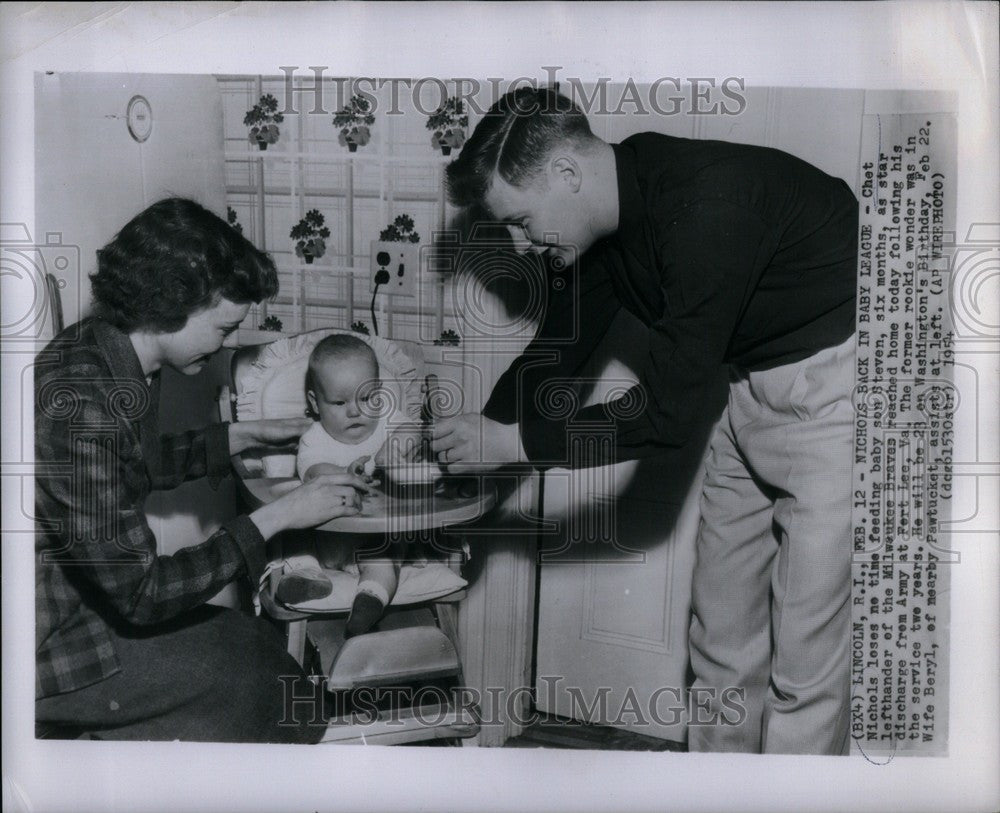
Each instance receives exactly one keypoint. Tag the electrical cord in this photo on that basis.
(381, 278)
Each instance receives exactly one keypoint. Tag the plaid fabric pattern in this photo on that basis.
(98, 454)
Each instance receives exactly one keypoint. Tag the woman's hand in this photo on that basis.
(323, 498)
(471, 443)
(271, 432)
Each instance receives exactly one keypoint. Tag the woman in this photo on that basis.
(126, 647)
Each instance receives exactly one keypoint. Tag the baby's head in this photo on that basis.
(340, 381)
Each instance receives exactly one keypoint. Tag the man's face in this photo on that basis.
(342, 399)
(189, 349)
(546, 216)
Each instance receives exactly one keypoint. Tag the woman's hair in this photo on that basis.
(514, 140)
(172, 260)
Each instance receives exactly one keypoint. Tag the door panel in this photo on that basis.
(614, 589)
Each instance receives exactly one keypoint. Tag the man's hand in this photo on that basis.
(271, 432)
(472, 443)
(404, 445)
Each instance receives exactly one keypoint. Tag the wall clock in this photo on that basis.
(140, 118)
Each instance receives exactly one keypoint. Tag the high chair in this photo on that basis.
(416, 642)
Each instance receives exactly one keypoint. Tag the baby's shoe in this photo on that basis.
(297, 586)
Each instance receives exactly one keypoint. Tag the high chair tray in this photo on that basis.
(382, 513)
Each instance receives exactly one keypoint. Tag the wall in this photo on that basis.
(359, 194)
(91, 178)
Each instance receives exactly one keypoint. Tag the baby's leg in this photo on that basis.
(376, 586)
(333, 550)
(379, 577)
(299, 552)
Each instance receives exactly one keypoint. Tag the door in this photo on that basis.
(615, 572)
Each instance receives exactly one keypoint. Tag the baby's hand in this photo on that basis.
(358, 466)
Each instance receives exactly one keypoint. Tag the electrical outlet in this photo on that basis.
(401, 262)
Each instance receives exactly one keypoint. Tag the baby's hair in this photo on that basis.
(339, 347)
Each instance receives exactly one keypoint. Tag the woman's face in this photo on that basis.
(189, 349)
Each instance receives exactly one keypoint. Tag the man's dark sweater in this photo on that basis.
(728, 253)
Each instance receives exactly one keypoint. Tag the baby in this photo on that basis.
(342, 377)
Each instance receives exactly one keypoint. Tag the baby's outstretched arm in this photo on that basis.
(317, 469)
(356, 467)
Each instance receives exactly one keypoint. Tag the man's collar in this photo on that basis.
(631, 204)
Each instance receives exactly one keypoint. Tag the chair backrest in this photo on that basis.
(55, 303)
(268, 381)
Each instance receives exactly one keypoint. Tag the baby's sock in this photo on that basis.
(369, 605)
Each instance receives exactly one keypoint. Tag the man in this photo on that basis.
(729, 254)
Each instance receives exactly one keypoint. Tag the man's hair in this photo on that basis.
(174, 259)
(514, 140)
(339, 347)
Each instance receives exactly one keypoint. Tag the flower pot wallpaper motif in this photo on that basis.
(399, 231)
(310, 235)
(233, 219)
(395, 258)
(263, 120)
(354, 120)
(448, 125)
(449, 338)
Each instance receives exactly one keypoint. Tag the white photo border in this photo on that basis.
(949, 46)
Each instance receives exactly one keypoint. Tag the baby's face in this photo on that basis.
(342, 399)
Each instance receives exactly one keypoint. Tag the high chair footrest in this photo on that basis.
(435, 721)
(394, 657)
